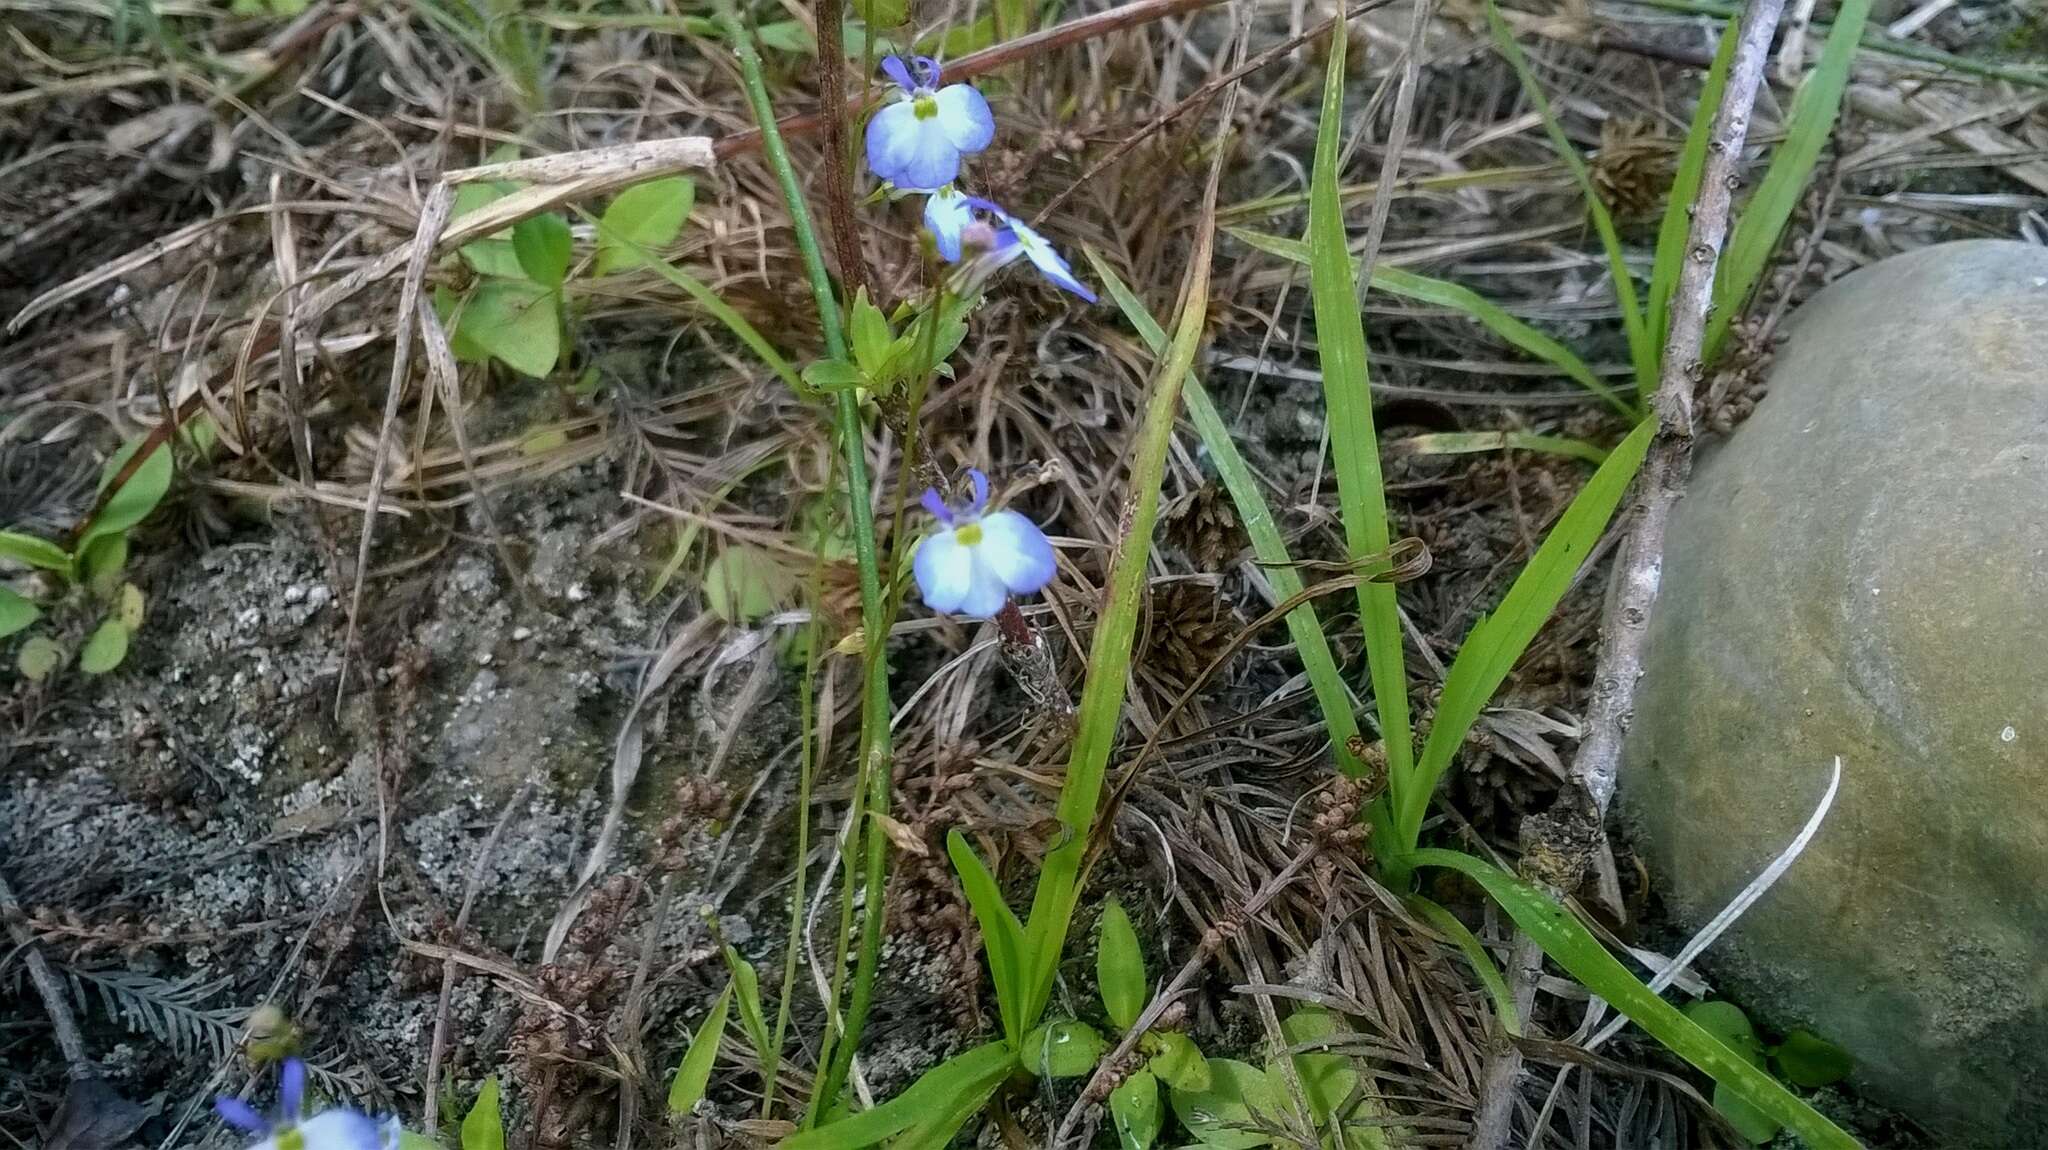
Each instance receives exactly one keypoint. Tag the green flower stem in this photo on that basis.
(871, 792)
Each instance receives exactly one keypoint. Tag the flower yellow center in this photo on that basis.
(292, 1139)
(967, 534)
(924, 107)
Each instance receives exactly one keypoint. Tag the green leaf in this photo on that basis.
(38, 658)
(1806, 1059)
(747, 988)
(1641, 354)
(1176, 1060)
(483, 1128)
(1498, 640)
(942, 1091)
(786, 36)
(645, 215)
(101, 563)
(1217, 1116)
(1120, 968)
(1807, 128)
(33, 551)
(492, 256)
(1685, 186)
(1002, 936)
(16, 612)
(1572, 946)
(693, 1074)
(105, 649)
(1470, 442)
(407, 1140)
(1347, 397)
(1134, 1107)
(130, 607)
(868, 330)
(144, 489)
(882, 13)
(1726, 1022)
(834, 375)
(1303, 626)
(745, 583)
(1457, 297)
(706, 298)
(516, 321)
(1475, 953)
(544, 247)
(1067, 1048)
(1326, 1078)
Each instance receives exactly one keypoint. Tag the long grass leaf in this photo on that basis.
(1685, 186)
(1569, 944)
(1483, 966)
(1303, 624)
(1496, 641)
(1641, 353)
(629, 251)
(1807, 128)
(1109, 654)
(1347, 398)
(971, 1075)
(1457, 297)
(693, 1074)
(1002, 936)
(1474, 442)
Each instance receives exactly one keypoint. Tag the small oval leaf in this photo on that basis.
(1176, 1060)
(1806, 1059)
(693, 1074)
(1135, 1108)
(130, 607)
(16, 612)
(483, 1128)
(105, 650)
(1120, 968)
(544, 246)
(33, 551)
(1220, 1116)
(39, 658)
(1063, 1049)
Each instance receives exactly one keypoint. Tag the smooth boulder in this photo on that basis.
(1861, 571)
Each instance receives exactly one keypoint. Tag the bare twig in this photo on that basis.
(48, 988)
(1669, 461)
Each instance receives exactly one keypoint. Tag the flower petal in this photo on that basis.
(980, 482)
(911, 153)
(936, 504)
(291, 1088)
(946, 216)
(240, 1115)
(945, 571)
(897, 73)
(1016, 551)
(342, 1129)
(986, 594)
(965, 117)
(1047, 260)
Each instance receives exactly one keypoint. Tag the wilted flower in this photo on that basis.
(979, 558)
(916, 140)
(335, 1129)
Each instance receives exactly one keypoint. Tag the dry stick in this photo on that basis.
(47, 985)
(1397, 140)
(476, 878)
(1658, 487)
(839, 215)
(1104, 1078)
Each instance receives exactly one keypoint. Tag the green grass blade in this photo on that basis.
(1475, 442)
(1569, 944)
(1685, 186)
(1475, 953)
(1109, 654)
(1496, 641)
(1303, 624)
(971, 1075)
(1340, 339)
(1002, 936)
(1807, 128)
(1641, 353)
(707, 299)
(1457, 297)
(693, 1074)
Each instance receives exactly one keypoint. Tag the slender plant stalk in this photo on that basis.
(871, 789)
(807, 717)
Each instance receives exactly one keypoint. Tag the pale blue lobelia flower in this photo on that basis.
(979, 558)
(335, 1129)
(916, 140)
(949, 216)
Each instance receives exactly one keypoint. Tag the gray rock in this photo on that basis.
(1862, 571)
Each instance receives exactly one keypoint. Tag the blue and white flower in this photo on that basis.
(916, 140)
(1017, 238)
(979, 558)
(947, 216)
(335, 1129)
